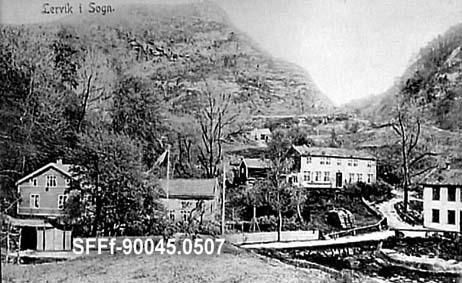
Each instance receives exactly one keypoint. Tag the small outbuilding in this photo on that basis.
(39, 235)
(341, 218)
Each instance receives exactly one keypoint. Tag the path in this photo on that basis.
(387, 208)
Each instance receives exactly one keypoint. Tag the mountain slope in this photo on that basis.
(433, 80)
(180, 46)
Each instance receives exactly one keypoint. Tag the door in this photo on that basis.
(28, 238)
(460, 222)
(338, 180)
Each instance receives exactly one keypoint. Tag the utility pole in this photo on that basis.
(223, 200)
(168, 171)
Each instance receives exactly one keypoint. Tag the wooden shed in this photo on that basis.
(39, 235)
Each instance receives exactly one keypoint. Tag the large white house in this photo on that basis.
(442, 196)
(326, 167)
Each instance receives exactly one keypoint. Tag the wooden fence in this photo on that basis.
(268, 237)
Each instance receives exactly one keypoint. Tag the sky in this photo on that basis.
(351, 48)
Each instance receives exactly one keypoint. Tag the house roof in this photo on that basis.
(257, 163)
(451, 177)
(304, 150)
(265, 131)
(29, 222)
(190, 188)
(63, 168)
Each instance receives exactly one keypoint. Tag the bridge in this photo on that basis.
(347, 241)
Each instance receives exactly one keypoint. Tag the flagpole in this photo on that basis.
(168, 170)
(223, 200)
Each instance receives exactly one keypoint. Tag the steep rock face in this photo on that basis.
(180, 46)
(434, 80)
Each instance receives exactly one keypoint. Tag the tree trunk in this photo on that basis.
(279, 225)
(97, 216)
(97, 208)
(299, 213)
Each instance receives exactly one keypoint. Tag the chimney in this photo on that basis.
(59, 162)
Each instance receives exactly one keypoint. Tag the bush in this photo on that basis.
(376, 192)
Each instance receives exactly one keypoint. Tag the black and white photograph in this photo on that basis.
(231, 141)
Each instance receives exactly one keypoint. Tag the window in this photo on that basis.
(68, 181)
(370, 177)
(355, 162)
(295, 178)
(360, 177)
(328, 161)
(317, 177)
(350, 162)
(436, 193)
(306, 176)
(352, 177)
(451, 217)
(326, 176)
(339, 162)
(33, 182)
(172, 215)
(451, 194)
(435, 216)
(51, 181)
(62, 201)
(323, 160)
(184, 215)
(369, 164)
(308, 160)
(35, 200)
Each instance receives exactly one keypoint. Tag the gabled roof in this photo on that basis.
(190, 188)
(449, 177)
(304, 150)
(62, 168)
(257, 163)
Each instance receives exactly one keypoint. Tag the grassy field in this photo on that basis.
(231, 266)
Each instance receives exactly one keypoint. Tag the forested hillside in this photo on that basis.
(90, 88)
(433, 80)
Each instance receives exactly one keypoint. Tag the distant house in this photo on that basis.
(442, 200)
(189, 199)
(252, 169)
(326, 167)
(43, 191)
(260, 136)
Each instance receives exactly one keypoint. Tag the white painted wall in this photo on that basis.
(443, 205)
(360, 168)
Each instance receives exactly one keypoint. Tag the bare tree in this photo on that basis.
(407, 124)
(214, 119)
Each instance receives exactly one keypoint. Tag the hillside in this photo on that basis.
(178, 46)
(145, 74)
(433, 79)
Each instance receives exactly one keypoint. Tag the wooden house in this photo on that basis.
(43, 198)
(442, 200)
(252, 169)
(191, 199)
(43, 191)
